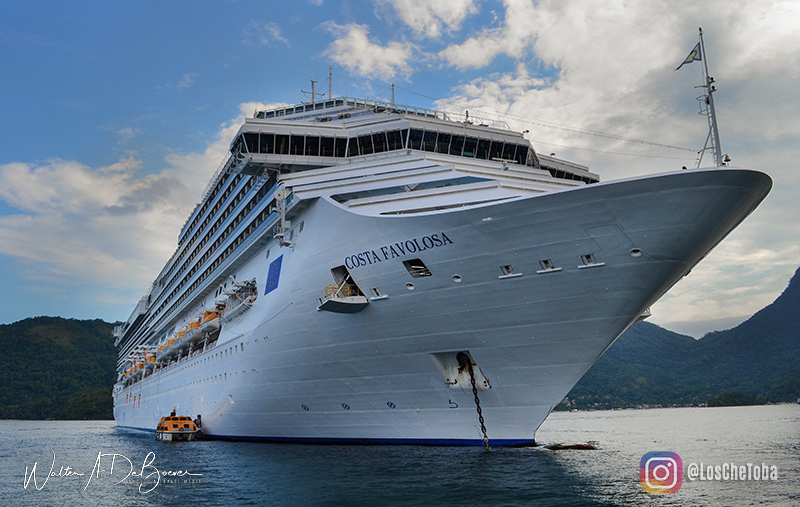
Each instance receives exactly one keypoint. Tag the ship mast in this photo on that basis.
(313, 93)
(707, 108)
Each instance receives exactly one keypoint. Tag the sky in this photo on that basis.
(114, 116)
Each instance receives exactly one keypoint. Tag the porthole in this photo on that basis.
(457, 279)
(635, 252)
(410, 286)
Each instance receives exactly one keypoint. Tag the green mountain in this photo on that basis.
(649, 365)
(54, 368)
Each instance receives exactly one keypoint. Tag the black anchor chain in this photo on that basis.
(466, 361)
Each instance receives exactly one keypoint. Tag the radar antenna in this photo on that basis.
(313, 93)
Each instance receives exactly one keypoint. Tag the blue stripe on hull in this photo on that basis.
(364, 441)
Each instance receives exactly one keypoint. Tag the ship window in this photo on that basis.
(379, 141)
(457, 146)
(341, 147)
(496, 151)
(395, 140)
(375, 292)
(589, 260)
(296, 145)
(429, 141)
(312, 146)
(443, 143)
(365, 145)
(508, 272)
(531, 160)
(281, 144)
(416, 268)
(266, 143)
(326, 149)
(415, 139)
(252, 141)
(483, 148)
(508, 151)
(469, 146)
(547, 264)
(522, 155)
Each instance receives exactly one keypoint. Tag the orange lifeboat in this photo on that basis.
(173, 428)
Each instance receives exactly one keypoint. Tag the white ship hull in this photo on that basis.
(285, 371)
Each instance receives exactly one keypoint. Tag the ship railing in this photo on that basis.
(307, 110)
(339, 290)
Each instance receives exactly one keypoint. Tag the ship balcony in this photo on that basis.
(342, 298)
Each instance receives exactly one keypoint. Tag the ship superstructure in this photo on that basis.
(359, 271)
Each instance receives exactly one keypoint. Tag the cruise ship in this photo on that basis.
(366, 272)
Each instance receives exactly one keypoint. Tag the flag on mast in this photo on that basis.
(694, 56)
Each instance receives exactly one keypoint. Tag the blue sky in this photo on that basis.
(115, 115)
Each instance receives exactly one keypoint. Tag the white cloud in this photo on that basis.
(114, 226)
(358, 54)
(428, 18)
(186, 81)
(260, 33)
(63, 229)
(514, 38)
(125, 134)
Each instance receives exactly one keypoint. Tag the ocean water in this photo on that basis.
(238, 473)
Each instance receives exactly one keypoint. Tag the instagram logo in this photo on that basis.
(661, 472)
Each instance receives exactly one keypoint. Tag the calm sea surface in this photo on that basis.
(234, 473)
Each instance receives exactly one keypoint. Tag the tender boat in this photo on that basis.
(176, 428)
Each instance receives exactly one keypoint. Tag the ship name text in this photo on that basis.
(399, 249)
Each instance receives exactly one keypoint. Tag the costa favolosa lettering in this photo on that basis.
(399, 249)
